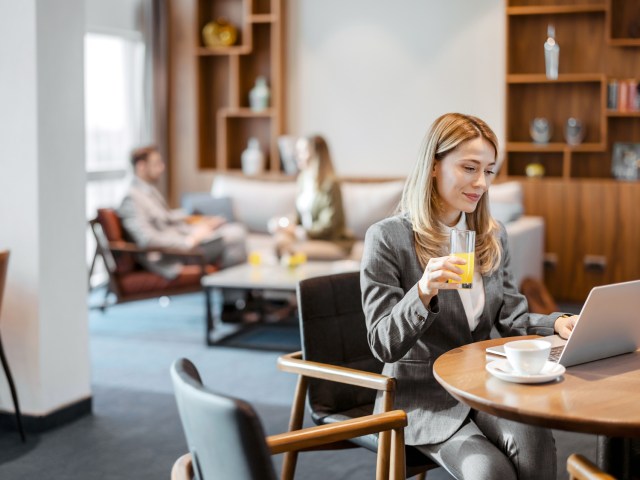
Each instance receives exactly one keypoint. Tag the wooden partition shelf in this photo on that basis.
(583, 205)
(225, 76)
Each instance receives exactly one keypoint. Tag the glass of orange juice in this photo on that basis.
(463, 245)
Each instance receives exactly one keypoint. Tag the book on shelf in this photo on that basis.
(623, 95)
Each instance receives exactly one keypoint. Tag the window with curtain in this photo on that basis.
(114, 116)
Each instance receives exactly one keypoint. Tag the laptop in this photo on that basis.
(609, 325)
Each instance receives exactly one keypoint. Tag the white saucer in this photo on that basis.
(502, 369)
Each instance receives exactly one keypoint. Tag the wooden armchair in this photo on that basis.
(580, 468)
(128, 280)
(337, 374)
(226, 438)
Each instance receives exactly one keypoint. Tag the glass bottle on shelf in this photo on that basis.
(259, 95)
(551, 53)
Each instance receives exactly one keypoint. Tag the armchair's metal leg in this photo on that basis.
(421, 476)
(14, 395)
(295, 423)
(209, 326)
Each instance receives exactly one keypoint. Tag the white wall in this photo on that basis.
(113, 16)
(371, 75)
(44, 316)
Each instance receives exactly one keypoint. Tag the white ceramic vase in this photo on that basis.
(259, 95)
(252, 158)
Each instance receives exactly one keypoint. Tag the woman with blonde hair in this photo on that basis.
(414, 314)
(318, 229)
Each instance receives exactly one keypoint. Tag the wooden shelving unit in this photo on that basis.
(584, 207)
(225, 76)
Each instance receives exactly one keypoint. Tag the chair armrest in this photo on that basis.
(182, 468)
(129, 247)
(579, 467)
(335, 432)
(293, 363)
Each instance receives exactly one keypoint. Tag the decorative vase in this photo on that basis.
(252, 158)
(551, 53)
(534, 170)
(540, 130)
(219, 33)
(574, 131)
(259, 95)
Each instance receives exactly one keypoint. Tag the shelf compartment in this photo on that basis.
(235, 12)
(262, 7)
(234, 134)
(556, 102)
(552, 161)
(213, 88)
(257, 63)
(555, 9)
(624, 26)
(590, 164)
(581, 38)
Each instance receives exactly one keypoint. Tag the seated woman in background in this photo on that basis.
(318, 230)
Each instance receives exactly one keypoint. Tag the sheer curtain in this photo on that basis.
(113, 119)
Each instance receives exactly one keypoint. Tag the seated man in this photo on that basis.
(150, 223)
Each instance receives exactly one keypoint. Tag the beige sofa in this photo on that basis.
(253, 201)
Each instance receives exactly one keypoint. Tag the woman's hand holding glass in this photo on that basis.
(437, 274)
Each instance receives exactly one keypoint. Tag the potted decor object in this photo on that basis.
(259, 95)
(252, 158)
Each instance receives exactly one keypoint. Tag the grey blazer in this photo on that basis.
(150, 223)
(409, 337)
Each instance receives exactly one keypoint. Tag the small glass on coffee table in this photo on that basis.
(263, 277)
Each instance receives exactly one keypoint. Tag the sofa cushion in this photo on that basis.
(506, 201)
(255, 200)
(366, 203)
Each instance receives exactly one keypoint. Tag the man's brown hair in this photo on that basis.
(141, 154)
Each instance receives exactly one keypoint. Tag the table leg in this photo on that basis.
(209, 326)
(614, 456)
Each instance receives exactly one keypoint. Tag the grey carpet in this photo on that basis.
(135, 432)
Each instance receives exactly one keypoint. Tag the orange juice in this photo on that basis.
(467, 275)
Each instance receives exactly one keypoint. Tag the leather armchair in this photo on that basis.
(128, 280)
(226, 438)
(337, 373)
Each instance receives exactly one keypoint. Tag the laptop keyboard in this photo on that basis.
(554, 356)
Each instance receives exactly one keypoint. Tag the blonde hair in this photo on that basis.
(421, 201)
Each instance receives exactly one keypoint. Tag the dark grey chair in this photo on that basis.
(4, 264)
(226, 439)
(336, 363)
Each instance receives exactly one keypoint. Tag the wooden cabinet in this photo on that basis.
(223, 76)
(591, 219)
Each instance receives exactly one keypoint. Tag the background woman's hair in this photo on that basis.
(321, 161)
(420, 198)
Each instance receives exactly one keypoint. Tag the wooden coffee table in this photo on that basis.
(261, 278)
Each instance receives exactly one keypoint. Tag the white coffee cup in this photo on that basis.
(527, 356)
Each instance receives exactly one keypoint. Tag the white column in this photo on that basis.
(42, 194)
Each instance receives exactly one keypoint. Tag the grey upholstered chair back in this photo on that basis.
(333, 330)
(224, 435)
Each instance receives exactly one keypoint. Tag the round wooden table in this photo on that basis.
(600, 397)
